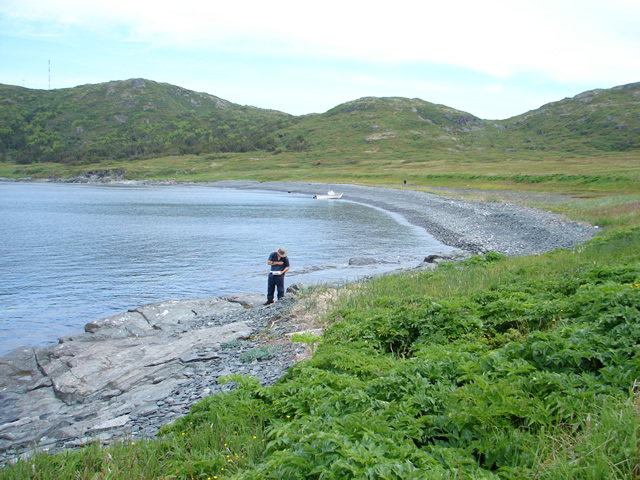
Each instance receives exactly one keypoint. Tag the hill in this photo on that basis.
(126, 120)
(138, 119)
(604, 120)
(595, 121)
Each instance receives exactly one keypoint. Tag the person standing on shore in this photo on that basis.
(279, 266)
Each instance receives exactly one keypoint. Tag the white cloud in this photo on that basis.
(563, 40)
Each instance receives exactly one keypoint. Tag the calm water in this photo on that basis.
(70, 254)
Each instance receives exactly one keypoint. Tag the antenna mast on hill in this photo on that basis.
(49, 74)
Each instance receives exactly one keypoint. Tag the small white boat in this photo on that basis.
(331, 195)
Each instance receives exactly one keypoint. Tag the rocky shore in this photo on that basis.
(475, 227)
(129, 374)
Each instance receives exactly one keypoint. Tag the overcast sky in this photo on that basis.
(492, 58)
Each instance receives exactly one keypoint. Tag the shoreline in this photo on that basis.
(64, 395)
(473, 227)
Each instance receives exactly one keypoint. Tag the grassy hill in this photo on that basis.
(595, 121)
(126, 120)
(140, 119)
(603, 120)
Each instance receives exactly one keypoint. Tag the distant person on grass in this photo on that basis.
(279, 266)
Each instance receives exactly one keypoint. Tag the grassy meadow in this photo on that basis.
(492, 368)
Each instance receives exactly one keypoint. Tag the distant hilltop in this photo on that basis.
(137, 119)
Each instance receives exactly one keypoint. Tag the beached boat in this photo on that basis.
(331, 195)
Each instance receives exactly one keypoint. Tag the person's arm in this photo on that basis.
(272, 260)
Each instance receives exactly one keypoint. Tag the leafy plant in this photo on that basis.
(308, 338)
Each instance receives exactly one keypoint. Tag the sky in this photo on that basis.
(492, 58)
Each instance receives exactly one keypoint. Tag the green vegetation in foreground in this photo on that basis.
(493, 368)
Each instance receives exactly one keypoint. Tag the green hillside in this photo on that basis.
(372, 127)
(141, 119)
(603, 120)
(126, 120)
(595, 121)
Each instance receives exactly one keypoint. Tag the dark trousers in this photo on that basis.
(275, 281)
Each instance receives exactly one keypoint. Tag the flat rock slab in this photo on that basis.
(120, 366)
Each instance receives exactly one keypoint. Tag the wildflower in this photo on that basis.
(254, 437)
(183, 434)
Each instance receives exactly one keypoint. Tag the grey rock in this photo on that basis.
(246, 300)
(298, 287)
(128, 373)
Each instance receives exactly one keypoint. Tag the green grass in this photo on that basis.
(614, 172)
